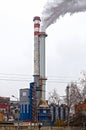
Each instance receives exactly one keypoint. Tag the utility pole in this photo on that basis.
(58, 114)
(68, 105)
(18, 128)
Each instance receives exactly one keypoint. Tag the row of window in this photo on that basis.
(24, 108)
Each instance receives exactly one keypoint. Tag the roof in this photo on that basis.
(43, 103)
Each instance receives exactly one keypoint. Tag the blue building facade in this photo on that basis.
(26, 103)
(31, 110)
(58, 112)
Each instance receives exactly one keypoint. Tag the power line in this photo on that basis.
(57, 82)
(53, 76)
(24, 78)
(16, 74)
(15, 80)
(28, 80)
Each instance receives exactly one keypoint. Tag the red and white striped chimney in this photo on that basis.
(39, 58)
(37, 21)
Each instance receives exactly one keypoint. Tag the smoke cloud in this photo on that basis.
(56, 8)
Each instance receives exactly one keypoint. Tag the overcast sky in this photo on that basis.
(65, 47)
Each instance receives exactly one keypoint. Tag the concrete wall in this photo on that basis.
(12, 127)
(6, 127)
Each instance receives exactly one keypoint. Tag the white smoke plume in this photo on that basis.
(56, 8)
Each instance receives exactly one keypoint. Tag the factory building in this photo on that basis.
(30, 111)
(33, 105)
(9, 110)
(29, 104)
(4, 107)
(24, 104)
(58, 112)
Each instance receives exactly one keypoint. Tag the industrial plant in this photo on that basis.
(33, 105)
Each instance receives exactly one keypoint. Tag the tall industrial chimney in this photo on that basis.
(42, 36)
(39, 59)
(37, 21)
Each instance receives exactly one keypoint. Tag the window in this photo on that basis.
(23, 108)
(24, 94)
(27, 108)
(44, 111)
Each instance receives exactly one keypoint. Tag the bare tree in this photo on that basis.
(77, 92)
(75, 96)
(53, 97)
(83, 84)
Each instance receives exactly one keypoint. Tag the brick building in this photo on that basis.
(80, 107)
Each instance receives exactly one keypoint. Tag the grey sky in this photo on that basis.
(65, 46)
